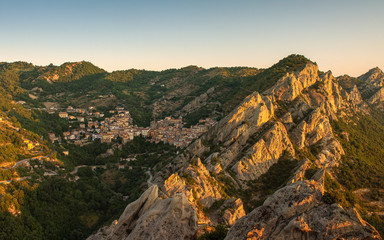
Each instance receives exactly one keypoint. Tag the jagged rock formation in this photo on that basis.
(198, 186)
(297, 212)
(292, 84)
(373, 78)
(290, 118)
(265, 127)
(233, 212)
(150, 217)
(263, 154)
(371, 86)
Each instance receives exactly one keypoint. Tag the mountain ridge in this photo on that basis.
(288, 137)
(289, 119)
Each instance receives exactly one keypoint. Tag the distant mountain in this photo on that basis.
(68, 72)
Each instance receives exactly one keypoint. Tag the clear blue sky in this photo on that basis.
(345, 36)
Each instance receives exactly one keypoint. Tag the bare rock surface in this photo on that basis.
(264, 153)
(291, 85)
(150, 217)
(297, 212)
(374, 77)
(234, 212)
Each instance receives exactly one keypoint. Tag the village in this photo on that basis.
(89, 125)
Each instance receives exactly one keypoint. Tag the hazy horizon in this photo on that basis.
(342, 36)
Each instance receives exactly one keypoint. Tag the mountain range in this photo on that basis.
(296, 152)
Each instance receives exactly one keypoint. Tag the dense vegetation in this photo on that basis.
(75, 71)
(99, 196)
(218, 234)
(363, 164)
(47, 209)
(276, 176)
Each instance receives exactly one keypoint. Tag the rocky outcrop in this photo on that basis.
(316, 132)
(292, 84)
(377, 97)
(264, 153)
(200, 184)
(174, 184)
(233, 212)
(372, 86)
(198, 102)
(196, 183)
(253, 112)
(299, 173)
(373, 78)
(204, 187)
(353, 95)
(150, 217)
(297, 212)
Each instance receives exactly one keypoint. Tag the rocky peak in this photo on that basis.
(264, 153)
(354, 95)
(292, 84)
(372, 87)
(254, 111)
(374, 77)
(151, 217)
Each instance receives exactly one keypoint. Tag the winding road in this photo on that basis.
(17, 179)
(149, 181)
(21, 162)
(91, 166)
(27, 160)
(76, 169)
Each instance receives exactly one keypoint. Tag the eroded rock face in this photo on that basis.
(264, 153)
(234, 212)
(291, 85)
(374, 77)
(297, 212)
(150, 217)
(200, 187)
(354, 95)
(372, 87)
(253, 112)
(377, 97)
(317, 132)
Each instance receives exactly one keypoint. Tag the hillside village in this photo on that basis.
(92, 125)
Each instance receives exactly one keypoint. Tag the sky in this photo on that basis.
(344, 36)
